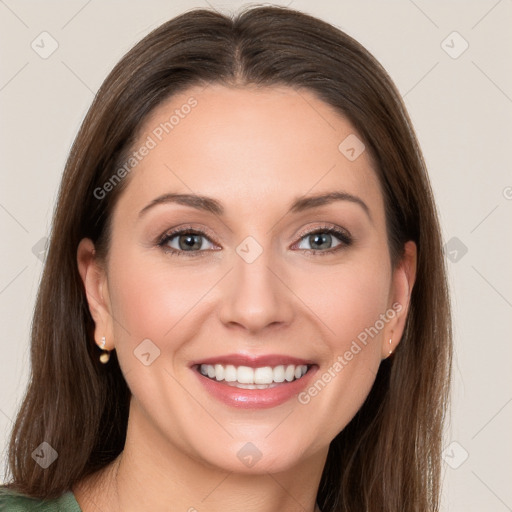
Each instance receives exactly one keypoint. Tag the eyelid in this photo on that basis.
(185, 228)
(338, 230)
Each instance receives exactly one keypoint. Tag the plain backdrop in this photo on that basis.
(451, 62)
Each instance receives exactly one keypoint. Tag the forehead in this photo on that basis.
(251, 145)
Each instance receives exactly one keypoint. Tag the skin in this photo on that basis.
(255, 151)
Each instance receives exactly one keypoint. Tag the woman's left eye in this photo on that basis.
(187, 242)
(322, 240)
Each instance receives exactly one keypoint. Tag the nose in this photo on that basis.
(255, 295)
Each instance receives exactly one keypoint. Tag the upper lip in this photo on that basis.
(253, 361)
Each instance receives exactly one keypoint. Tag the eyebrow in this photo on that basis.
(211, 205)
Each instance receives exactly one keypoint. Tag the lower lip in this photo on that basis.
(255, 398)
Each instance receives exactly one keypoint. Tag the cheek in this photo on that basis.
(349, 300)
(153, 299)
(351, 306)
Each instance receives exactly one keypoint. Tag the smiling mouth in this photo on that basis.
(245, 377)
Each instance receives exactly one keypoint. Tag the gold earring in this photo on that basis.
(390, 349)
(105, 355)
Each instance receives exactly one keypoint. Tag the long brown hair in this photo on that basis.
(388, 457)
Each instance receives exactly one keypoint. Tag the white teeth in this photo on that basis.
(219, 372)
(279, 373)
(263, 375)
(229, 372)
(245, 375)
(253, 378)
(289, 374)
(251, 386)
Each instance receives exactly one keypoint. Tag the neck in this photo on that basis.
(152, 474)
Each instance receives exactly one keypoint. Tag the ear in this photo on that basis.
(94, 279)
(404, 276)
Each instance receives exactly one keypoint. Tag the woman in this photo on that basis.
(246, 230)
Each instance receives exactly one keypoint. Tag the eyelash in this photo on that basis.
(344, 237)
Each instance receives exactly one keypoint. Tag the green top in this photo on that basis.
(13, 501)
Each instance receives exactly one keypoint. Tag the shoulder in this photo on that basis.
(14, 501)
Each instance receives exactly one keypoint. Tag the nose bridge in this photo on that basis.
(256, 296)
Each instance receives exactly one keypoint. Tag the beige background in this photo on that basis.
(462, 111)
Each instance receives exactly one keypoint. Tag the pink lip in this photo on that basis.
(253, 361)
(255, 398)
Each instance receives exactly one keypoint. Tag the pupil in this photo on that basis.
(190, 242)
(319, 238)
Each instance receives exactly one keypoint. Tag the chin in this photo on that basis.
(257, 457)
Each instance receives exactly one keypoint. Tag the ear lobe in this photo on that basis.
(404, 277)
(94, 280)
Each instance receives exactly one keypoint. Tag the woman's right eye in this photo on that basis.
(184, 242)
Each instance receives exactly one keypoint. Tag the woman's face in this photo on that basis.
(263, 282)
